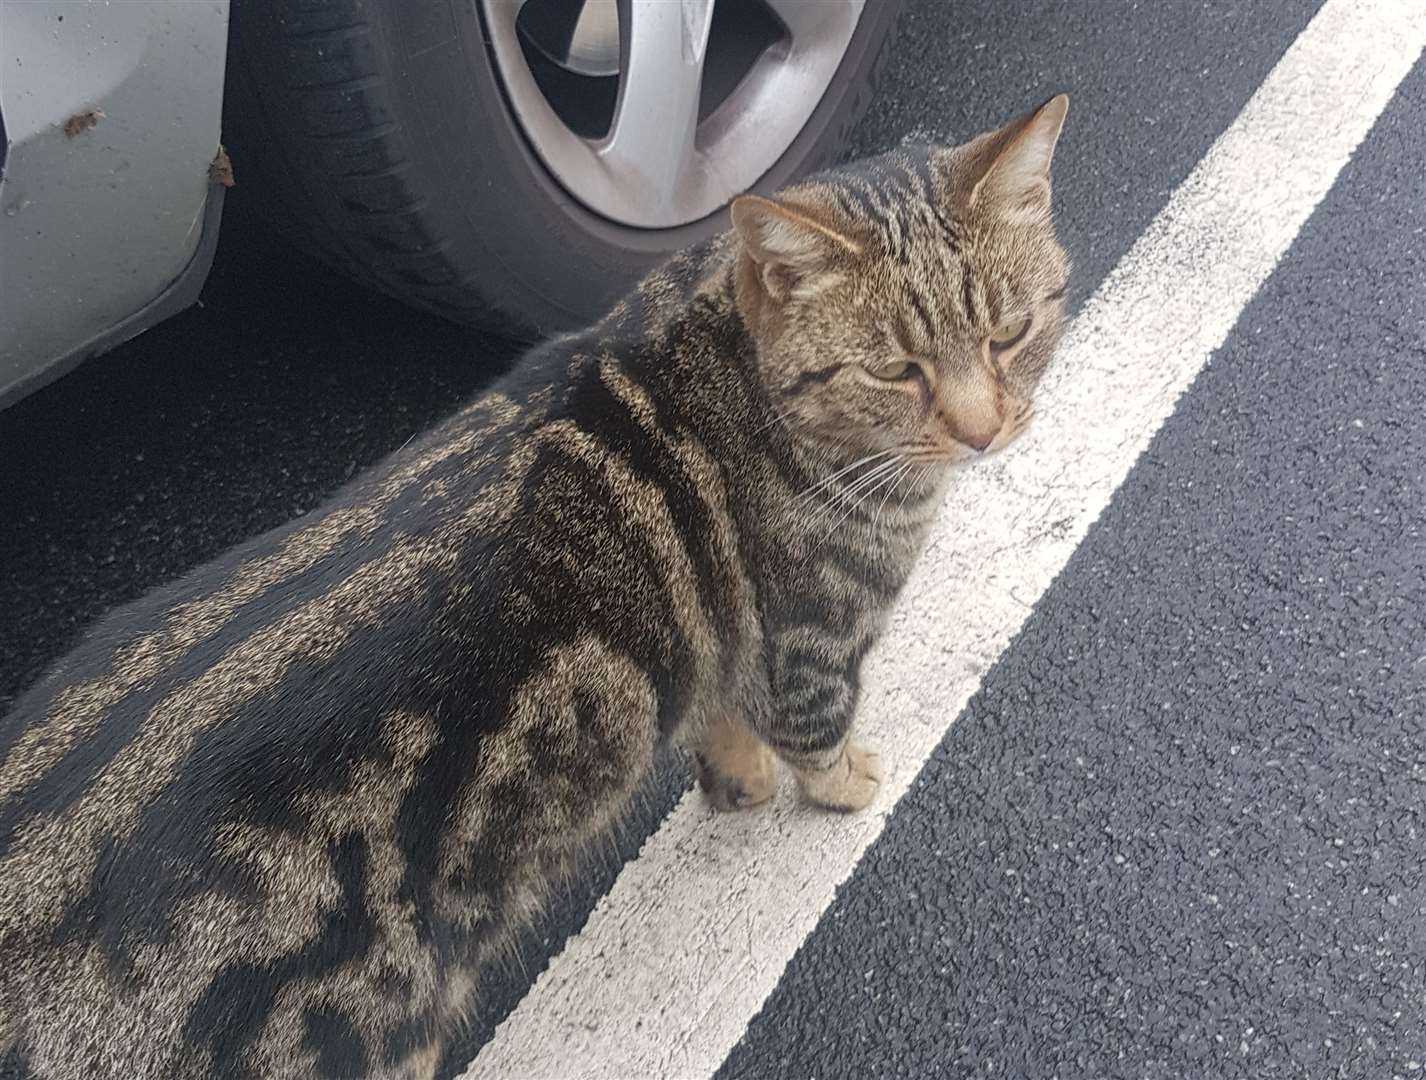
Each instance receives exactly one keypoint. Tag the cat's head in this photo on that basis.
(910, 302)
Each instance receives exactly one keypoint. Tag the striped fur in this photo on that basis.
(270, 821)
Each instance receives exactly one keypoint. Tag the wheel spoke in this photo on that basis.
(504, 13)
(651, 141)
(807, 20)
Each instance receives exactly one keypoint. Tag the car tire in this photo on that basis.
(375, 134)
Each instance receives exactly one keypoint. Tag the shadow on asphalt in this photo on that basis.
(222, 422)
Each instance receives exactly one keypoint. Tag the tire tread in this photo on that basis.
(338, 179)
(315, 121)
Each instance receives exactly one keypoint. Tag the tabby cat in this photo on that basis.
(268, 821)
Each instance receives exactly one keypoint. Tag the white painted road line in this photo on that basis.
(695, 933)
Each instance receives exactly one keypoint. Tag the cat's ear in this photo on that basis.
(791, 245)
(1014, 174)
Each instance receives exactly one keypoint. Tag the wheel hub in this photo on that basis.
(654, 113)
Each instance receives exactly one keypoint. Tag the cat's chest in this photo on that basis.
(846, 560)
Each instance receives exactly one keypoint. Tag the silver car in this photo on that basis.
(513, 163)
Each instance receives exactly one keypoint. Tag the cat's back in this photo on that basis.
(185, 764)
(245, 637)
(248, 786)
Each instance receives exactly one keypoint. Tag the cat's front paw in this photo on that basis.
(849, 785)
(751, 783)
(735, 768)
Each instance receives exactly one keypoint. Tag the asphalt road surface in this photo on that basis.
(1168, 820)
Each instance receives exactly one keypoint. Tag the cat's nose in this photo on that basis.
(979, 440)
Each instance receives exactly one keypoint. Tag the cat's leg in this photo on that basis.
(735, 768)
(810, 725)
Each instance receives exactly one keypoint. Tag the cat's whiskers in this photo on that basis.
(901, 475)
(886, 476)
(844, 495)
(926, 471)
(825, 481)
(918, 484)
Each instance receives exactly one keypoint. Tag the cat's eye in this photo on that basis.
(897, 371)
(1009, 334)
